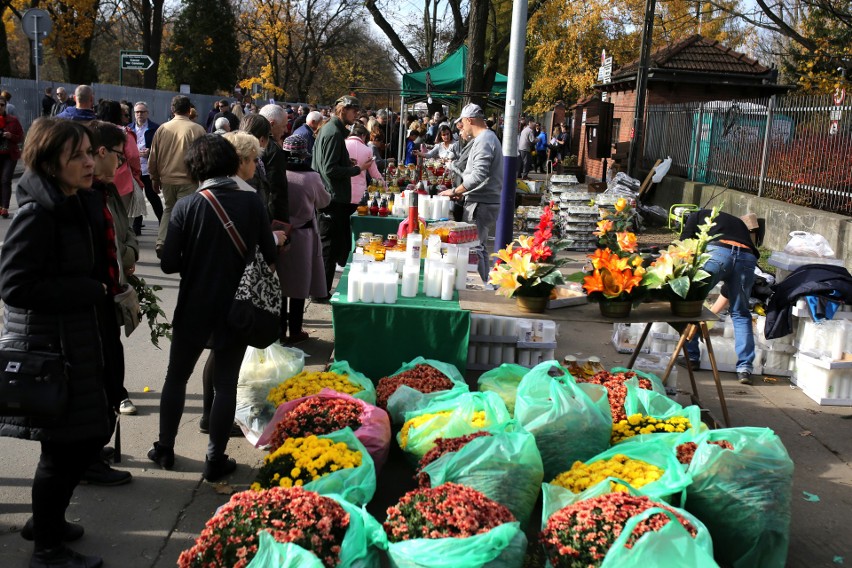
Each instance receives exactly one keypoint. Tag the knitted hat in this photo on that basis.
(295, 144)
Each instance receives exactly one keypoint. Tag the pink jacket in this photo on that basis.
(132, 168)
(360, 152)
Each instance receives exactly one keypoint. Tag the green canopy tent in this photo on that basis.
(445, 81)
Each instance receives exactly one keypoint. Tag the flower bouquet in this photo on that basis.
(315, 523)
(336, 463)
(619, 529)
(679, 271)
(416, 384)
(328, 412)
(428, 526)
(526, 271)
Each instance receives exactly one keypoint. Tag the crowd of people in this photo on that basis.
(288, 180)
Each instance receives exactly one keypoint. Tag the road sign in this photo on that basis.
(36, 23)
(136, 61)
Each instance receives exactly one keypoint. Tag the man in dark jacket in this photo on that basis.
(225, 111)
(47, 102)
(144, 130)
(331, 161)
(85, 103)
(275, 162)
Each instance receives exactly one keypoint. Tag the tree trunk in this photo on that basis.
(152, 39)
(477, 26)
(5, 58)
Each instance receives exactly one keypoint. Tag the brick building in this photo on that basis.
(695, 69)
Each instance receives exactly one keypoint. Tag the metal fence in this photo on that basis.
(796, 149)
(27, 96)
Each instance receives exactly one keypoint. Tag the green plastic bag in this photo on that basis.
(504, 381)
(505, 467)
(421, 438)
(570, 421)
(743, 495)
(700, 550)
(502, 547)
(655, 452)
(656, 384)
(650, 403)
(360, 548)
(356, 485)
(368, 394)
(406, 399)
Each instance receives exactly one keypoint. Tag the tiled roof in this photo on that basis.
(698, 54)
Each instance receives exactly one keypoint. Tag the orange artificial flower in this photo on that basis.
(604, 227)
(627, 241)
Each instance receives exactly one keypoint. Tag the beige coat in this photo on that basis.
(171, 141)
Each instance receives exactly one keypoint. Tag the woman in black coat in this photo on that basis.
(199, 248)
(47, 283)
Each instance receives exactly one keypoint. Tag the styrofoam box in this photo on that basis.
(828, 383)
(726, 356)
(787, 263)
(656, 364)
(626, 335)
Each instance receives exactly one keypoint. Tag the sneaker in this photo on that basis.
(127, 407)
(744, 377)
(216, 470)
(63, 557)
(100, 473)
(162, 456)
(69, 533)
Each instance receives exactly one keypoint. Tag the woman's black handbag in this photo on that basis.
(255, 314)
(33, 377)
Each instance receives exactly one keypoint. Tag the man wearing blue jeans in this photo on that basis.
(733, 258)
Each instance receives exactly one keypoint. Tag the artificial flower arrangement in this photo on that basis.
(230, 538)
(447, 511)
(679, 270)
(298, 461)
(614, 271)
(307, 383)
(581, 476)
(316, 416)
(581, 535)
(637, 424)
(442, 447)
(528, 269)
(423, 378)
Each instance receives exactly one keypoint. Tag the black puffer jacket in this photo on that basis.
(46, 283)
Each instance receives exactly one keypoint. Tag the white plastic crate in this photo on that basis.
(495, 340)
(828, 383)
(726, 356)
(625, 336)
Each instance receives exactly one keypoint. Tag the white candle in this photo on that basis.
(390, 289)
(508, 354)
(410, 277)
(485, 325)
(366, 290)
(448, 280)
(353, 288)
(461, 268)
(483, 354)
(524, 358)
(412, 248)
(471, 354)
(496, 354)
(378, 289)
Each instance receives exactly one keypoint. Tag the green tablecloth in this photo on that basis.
(383, 226)
(376, 339)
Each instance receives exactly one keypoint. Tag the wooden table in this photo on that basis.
(486, 302)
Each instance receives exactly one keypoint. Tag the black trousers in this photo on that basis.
(7, 172)
(183, 356)
(336, 237)
(153, 199)
(293, 315)
(60, 468)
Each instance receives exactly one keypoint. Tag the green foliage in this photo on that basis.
(151, 310)
(204, 51)
(815, 70)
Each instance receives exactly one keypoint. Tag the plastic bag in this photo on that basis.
(406, 399)
(502, 547)
(360, 548)
(504, 381)
(802, 243)
(462, 407)
(374, 433)
(357, 485)
(261, 371)
(505, 467)
(656, 384)
(674, 550)
(656, 452)
(368, 394)
(743, 495)
(650, 403)
(661, 170)
(570, 422)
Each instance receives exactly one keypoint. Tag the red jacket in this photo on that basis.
(11, 124)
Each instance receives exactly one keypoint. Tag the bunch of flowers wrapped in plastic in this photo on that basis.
(581, 476)
(423, 378)
(478, 420)
(317, 415)
(292, 515)
(301, 460)
(307, 383)
(447, 511)
(636, 424)
(686, 451)
(443, 446)
(581, 534)
(528, 270)
(616, 391)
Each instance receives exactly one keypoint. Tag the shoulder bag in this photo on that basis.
(33, 377)
(255, 314)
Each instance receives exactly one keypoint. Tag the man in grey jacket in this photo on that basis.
(482, 181)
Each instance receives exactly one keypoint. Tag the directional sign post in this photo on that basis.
(37, 26)
(133, 60)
